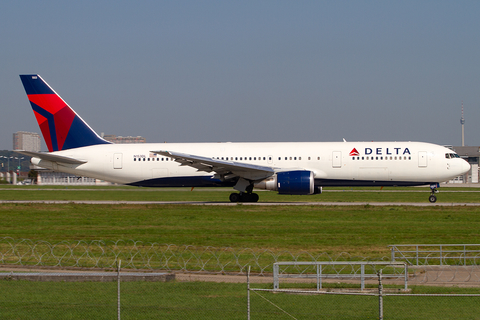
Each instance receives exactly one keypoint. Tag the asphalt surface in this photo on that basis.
(415, 204)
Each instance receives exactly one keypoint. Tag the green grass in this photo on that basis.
(358, 230)
(206, 300)
(362, 230)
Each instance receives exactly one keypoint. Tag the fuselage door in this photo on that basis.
(422, 159)
(117, 160)
(337, 159)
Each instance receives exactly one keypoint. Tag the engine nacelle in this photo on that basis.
(291, 182)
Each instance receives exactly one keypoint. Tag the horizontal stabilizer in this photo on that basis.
(51, 157)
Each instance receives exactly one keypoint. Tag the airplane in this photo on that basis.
(295, 168)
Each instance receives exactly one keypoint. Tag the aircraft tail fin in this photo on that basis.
(61, 126)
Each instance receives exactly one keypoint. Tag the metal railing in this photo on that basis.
(347, 270)
(436, 254)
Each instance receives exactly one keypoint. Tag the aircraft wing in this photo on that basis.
(223, 168)
(52, 157)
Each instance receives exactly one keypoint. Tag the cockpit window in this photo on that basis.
(451, 155)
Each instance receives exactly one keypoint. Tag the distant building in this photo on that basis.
(472, 155)
(119, 139)
(49, 177)
(28, 141)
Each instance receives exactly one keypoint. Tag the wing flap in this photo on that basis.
(220, 167)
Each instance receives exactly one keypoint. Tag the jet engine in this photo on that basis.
(298, 182)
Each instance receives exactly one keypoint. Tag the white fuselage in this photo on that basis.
(332, 163)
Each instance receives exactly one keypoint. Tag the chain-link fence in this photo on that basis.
(340, 302)
(88, 295)
(295, 304)
(104, 296)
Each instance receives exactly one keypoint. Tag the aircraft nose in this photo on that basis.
(466, 166)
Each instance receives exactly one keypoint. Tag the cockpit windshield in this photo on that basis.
(451, 155)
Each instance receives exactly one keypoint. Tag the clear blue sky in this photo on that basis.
(198, 71)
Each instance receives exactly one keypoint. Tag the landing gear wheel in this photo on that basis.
(235, 197)
(243, 197)
(250, 197)
(433, 187)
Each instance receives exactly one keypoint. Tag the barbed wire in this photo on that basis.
(152, 256)
(139, 255)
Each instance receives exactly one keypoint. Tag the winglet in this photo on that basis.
(61, 126)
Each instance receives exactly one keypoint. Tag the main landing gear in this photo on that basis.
(433, 197)
(246, 196)
(243, 197)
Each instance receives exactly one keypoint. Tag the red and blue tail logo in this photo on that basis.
(61, 127)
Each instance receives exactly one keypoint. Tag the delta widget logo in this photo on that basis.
(381, 151)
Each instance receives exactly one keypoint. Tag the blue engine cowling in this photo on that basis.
(295, 182)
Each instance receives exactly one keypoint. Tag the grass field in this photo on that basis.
(204, 300)
(359, 230)
(362, 230)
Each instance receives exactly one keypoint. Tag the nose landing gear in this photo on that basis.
(433, 187)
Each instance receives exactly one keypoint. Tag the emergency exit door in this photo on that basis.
(337, 159)
(422, 159)
(117, 160)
